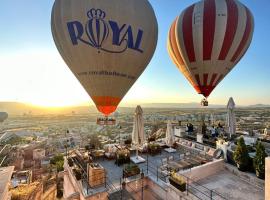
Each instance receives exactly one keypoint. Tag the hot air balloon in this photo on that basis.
(3, 116)
(208, 39)
(106, 44)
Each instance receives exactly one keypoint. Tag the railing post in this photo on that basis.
(211, 194)
(142, 177)
(147, 163)
(123, 188)
(157, 173)
(187, 186)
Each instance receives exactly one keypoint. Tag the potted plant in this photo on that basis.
(154, 149)
(241, 156)
(177, 181)
(70, 162)
(122, 157)
(78, 174)
(131, 170)
(259, 161)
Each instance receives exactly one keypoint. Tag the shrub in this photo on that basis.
(241, 156)
(59, 194)
(131, 170)
(259, 160)
(58, 162)
(128, 141)
(154, 148)
(177, 181)
(70, 162)
(78, 174)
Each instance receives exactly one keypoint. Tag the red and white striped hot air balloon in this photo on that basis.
(106, 44)
(208, 39)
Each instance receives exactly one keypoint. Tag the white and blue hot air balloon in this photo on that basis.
(107, 44)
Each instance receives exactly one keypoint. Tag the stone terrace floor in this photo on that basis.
(232, 187)
(114, 172)
(225, 183)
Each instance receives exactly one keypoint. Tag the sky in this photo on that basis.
(32, 71)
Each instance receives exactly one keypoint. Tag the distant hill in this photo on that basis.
(179, 105)
(259, 106)
(16, 108)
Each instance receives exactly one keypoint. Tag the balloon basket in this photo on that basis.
(106, 121)
(204, 102)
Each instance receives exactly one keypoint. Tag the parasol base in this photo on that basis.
(137, 159)
(170, 150)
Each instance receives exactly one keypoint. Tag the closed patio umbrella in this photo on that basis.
(169, 137)
(231, 122)
(138, 136)
(169, 134)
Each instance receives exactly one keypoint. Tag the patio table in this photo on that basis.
(193, 162)
(200, 159)
(175, 166)
(186, 165)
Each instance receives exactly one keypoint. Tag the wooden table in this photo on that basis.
(98, 154)
(175, 166)
(185, 164)
(96, 175)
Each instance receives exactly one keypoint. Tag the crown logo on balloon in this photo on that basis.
(103, 34)
(96, 14)
(97, 30)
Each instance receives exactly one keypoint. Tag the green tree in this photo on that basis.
(58, 162)
(241, 156)
(56, 159)
(94, 141)
(259, 160)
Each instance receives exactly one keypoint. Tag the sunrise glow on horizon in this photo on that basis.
(33, 72)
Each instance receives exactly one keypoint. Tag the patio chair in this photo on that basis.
(170, 158)
(187, 154)
(164, 162)
(181, 156)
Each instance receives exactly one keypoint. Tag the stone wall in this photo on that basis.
(203, 171)
(161, 192)
(245, 176)
(99, 196)
(267, 178)
(50, 194)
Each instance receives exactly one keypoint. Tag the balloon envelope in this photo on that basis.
(3, 116)
(106, 44)
(208, 39)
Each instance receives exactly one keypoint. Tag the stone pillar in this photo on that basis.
(221, 144)
(200, 138)
(267, 178)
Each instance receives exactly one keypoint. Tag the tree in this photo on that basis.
(241, 156)
(259, 160)
(58, 162)
(94, 141)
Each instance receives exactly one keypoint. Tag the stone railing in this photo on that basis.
(245, 176)
(203, 171)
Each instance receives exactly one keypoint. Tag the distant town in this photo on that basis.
(38, 149)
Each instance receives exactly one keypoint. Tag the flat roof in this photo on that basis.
(5, 174)
(232, 187)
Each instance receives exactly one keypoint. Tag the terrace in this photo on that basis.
(204, 177)
(156, 170)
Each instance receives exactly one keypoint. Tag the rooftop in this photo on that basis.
(210, 177)
(231, 186)
(5, 174)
